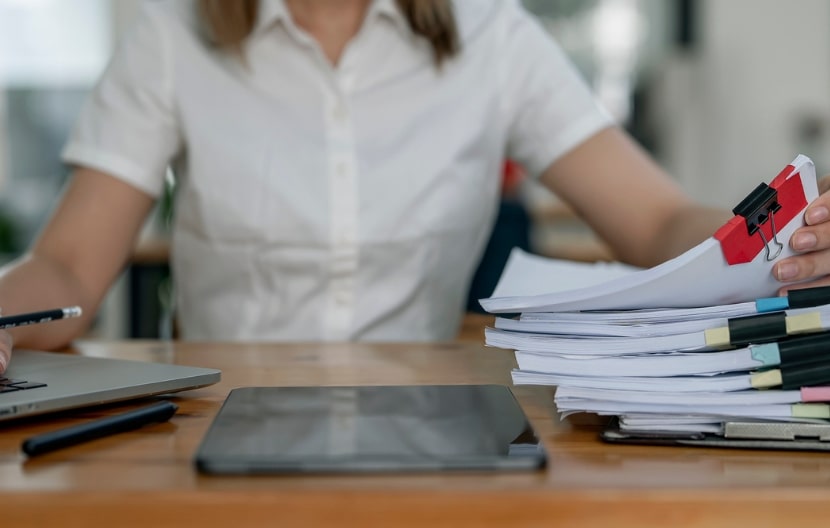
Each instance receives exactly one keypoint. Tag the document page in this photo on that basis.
(699, 277)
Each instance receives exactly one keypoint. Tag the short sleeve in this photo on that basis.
(127, 126)
(549, 107)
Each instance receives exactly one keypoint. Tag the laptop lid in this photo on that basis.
(368, 429)
(41, 382)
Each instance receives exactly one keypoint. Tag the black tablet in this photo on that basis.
(369, 429)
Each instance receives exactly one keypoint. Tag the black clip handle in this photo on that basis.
(757, 209)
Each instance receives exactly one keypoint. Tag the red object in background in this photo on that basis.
(512, 175)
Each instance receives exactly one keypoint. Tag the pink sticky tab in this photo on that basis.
(815, 394)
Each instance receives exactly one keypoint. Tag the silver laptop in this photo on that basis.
(42, 382)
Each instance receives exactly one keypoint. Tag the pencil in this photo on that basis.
(45, 316)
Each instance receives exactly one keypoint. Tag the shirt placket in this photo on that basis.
(343, 197)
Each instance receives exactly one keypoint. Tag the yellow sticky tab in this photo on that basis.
(717, 337)
(811, 410)
(765, 380)
(804, 323)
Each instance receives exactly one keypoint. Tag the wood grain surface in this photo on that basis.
(147, 477)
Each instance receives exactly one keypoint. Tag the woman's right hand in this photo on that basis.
(6, 344)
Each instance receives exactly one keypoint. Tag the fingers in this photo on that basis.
(823, 281)
(6, 345)
(803, 267)
(816, 234)
(812, 242)
(819, 209)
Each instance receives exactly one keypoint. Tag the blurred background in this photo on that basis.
(723, 93)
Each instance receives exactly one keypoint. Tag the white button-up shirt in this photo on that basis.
(317, 202)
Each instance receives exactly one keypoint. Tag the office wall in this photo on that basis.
(752, 94)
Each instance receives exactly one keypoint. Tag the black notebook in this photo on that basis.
(743, 435)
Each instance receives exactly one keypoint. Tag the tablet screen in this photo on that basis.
(363, 429)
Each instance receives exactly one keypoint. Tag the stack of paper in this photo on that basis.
(685, 346)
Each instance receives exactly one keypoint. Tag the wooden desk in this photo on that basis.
(146, 478)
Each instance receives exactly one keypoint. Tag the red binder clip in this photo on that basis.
(753, 227)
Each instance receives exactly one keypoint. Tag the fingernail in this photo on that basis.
(816, 215)
(786, 271)
(803, 241)
(3, 363)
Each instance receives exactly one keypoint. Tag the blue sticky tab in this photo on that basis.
(768, 354)
(772, 304)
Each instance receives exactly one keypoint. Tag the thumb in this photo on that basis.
(6, 345)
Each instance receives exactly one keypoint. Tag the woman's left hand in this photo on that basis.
(6, 345)
(812, 243)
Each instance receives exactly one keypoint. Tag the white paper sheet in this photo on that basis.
(527, 274)
(699, 277)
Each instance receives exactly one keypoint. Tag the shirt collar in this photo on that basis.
(388, 9)
(273, 11)
(270, 12)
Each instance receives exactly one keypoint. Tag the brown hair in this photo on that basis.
(229, 23)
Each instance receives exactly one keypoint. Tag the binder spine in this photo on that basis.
(810, 375)
(761, 328)
(805, 349)
(809, 297)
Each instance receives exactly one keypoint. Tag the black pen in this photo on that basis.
(45, 316)
(158, 412)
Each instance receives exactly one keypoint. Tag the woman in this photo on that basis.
(337, 166)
